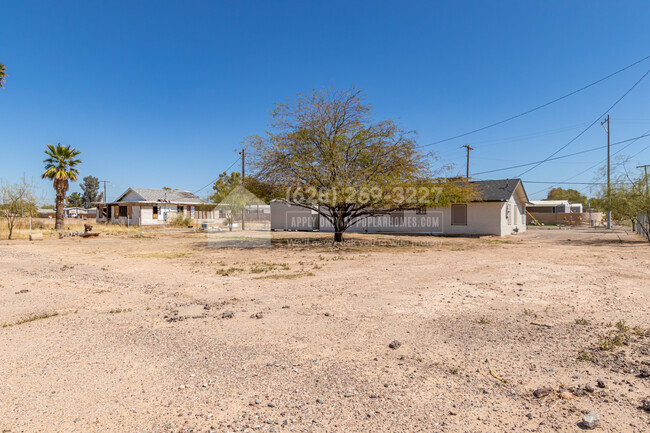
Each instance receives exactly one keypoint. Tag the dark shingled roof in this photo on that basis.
(496, 190)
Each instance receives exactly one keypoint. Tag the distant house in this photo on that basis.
(46, 213)
(142, 206)
(79, 212)
(69, 212)
(499, 209)
(554, 206)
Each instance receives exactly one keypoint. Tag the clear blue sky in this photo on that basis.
(160, 93)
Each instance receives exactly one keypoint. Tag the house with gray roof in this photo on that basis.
(499, 208)
(144, 206)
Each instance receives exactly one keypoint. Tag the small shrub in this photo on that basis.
(612, 341)
(586, 356)
(182, 220)
(582, 321)
(622, 327)
(483, 320)
(454, 370)
(230, 270)
(286, 276)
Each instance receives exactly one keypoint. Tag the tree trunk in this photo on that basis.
(59, 212)
(339, 228)
(10, 226)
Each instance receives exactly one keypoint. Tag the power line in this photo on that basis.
(563, 183)
(561, 157)
(213, 181)
(538, 107)
(588, 127)
(632, 141)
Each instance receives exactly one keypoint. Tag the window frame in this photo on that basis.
(457, 206)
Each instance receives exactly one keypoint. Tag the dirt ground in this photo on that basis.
(174, 332)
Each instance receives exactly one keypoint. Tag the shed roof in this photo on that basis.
(498, 189)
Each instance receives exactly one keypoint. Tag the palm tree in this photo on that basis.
(3, 74)
(59, 167)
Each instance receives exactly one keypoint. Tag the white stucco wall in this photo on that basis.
(516, 223)
(483, 218)
(290, 217)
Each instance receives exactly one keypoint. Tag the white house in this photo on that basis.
(554, 206)
(142, 206)
(498, 210)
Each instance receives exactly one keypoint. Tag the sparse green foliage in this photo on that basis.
(31, 319)
(586, 356)
(230, 270)
(483, 320)
(612, 340)
(90, 191)
(182, 220)
(286, 276)
(16, 201)
(582, 321)
(630, 200)
(224, 185)
(75, 200)
(622, 327)
(571, 195)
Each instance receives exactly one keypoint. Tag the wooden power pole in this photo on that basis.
(467, 146)
(609, 186)
(645, 168)
(243, 175)
(105, 182)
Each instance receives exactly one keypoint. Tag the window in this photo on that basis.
(508, 214)
(155, 212)
(123, 211)
(458, 214)
(179, 208)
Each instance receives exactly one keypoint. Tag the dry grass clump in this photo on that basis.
(31, 318)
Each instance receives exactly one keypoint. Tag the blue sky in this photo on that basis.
(161, 93)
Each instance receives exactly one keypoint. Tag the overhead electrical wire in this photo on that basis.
(563, 156)
(548, 158)
(632, 141)
(231, 166)
(483, 128)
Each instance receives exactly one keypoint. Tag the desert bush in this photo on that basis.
(182, 220)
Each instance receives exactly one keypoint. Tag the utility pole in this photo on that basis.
(467, 146)
(243, 175)
(105, 182)
(645, 168)
(609, 186)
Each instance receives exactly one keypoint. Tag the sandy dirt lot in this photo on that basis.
(172, 332)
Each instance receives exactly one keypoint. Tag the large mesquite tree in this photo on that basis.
(324, 151)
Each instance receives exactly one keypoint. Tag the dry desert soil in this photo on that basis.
(174, 331)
